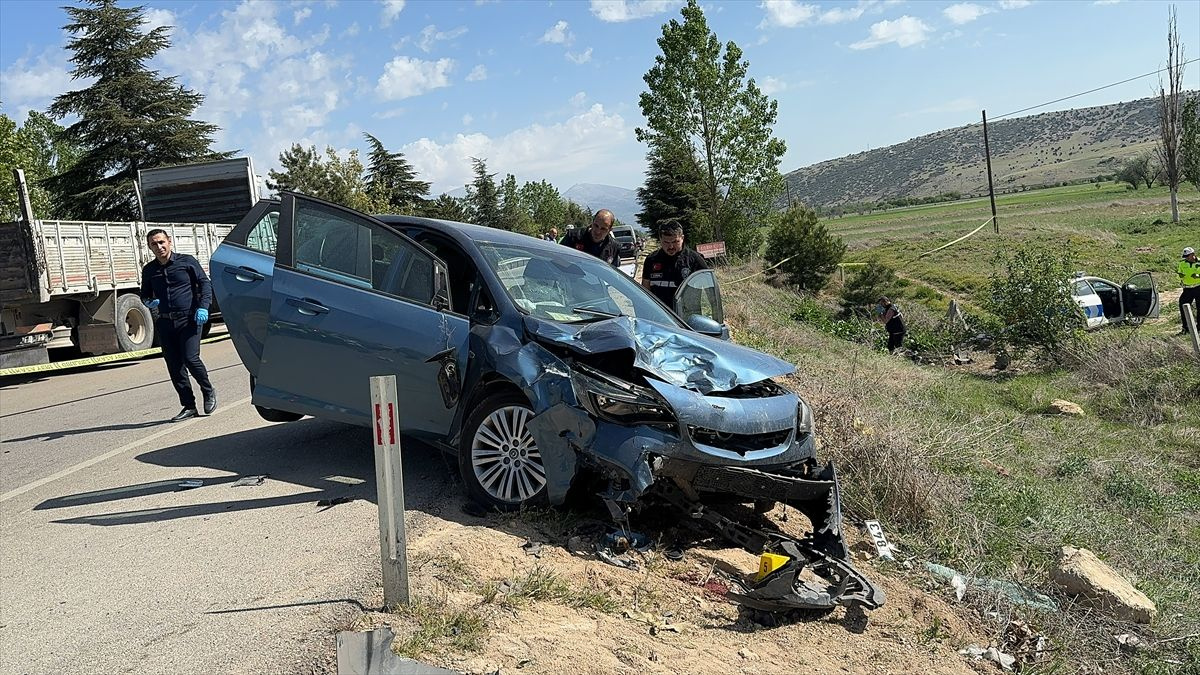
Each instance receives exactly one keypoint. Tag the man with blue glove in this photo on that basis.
(177, 286)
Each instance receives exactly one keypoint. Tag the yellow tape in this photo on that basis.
(94, 360)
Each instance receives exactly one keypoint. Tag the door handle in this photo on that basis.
(307, 307)
(244, 274)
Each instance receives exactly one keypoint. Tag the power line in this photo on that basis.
(1090, 91)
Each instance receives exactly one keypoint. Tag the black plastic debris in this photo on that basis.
(335, 501)
(533, 548)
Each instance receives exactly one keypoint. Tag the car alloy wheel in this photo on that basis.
(505, 457)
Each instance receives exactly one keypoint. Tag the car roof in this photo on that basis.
(475, 233)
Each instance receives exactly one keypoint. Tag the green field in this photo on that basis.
(963, 464)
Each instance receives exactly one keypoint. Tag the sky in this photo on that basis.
(549, 90)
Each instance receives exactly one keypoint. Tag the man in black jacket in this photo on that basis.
(177, 286)
(597, 240)
(666, 268)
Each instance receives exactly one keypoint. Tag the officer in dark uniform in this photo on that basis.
(666, 268)
(888, 314)
(596, 240)
(176, 284)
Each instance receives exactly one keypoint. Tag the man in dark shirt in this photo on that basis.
(596, 240)
(176, 284)
(666, 268)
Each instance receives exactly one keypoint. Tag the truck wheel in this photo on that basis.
(498, 456)
(134, 324)
(271, 414)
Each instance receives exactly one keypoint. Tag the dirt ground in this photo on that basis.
(665, 617)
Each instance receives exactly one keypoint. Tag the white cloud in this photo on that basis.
(580, 58)
(405, 77)
(578, 99)
(1014, 4)
(558, 35)
(351, 31)
(467, 119)
(792, 13)
(430, 36)
(616, 11)
(32, 85)
(477, 74)
(301, 15)
(957, 105)
(965, 12)
(586, 139)
(905, 32)
(391, 9)
(788, 13)
(158, 17)
(772, 85)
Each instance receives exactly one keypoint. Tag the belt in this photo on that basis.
(175, 315)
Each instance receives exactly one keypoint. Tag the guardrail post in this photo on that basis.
(1189, 316)
(389, 484)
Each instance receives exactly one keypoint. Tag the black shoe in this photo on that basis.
(210, 403)
(185, 414)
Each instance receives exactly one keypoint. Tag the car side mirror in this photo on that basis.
(706, 326)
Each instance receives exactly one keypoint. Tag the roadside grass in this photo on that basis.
(540, 583)
(440, 626)
(969, 470)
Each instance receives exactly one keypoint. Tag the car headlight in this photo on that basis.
(804, 419)
(617, 401)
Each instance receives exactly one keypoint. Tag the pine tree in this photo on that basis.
(446, 207)
(482, 196)
(668, 195)
(129, 118)
(392, 181)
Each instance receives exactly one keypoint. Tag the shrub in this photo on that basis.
(808, 253)
(1029, 295)
(867, 286)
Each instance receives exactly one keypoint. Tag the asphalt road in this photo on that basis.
(108, 565)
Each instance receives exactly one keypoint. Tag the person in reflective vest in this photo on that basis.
(1189, 277)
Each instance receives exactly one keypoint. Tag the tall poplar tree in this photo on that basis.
(699, 103)
(129, 117)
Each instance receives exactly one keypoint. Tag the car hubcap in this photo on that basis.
(505, 457)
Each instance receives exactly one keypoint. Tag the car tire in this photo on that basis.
(134, 324)
(271, 414)
(498, 456)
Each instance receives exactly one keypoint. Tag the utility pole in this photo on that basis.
(987, 152)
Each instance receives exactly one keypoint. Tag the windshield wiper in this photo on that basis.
(595, 312)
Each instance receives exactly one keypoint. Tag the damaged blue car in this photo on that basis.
(532, 363)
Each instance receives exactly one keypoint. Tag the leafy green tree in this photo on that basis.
(1189, 142)
(514, 216)
(331, 178)
(392, 181)
(800, 248)
(39, 148)
(545, 204)
(872, 282)
(575, 215)
(483, 198)
(699, 104)
(446, 207)
(129, 118)
(669, 193)
(1028, 293)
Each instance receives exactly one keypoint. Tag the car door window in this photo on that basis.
(699, 294)
(1082, 288)
(336, 245)
(264, 237)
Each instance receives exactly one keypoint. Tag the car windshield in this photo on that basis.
(570, 289)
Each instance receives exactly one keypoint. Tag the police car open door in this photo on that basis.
(699, 298)
(1139, 298)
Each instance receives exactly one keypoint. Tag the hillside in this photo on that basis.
(1039, 150)
(621, 201)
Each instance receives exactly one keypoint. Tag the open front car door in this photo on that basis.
(1140, 298)
(698, 303)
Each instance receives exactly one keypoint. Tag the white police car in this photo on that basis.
(1104, 302)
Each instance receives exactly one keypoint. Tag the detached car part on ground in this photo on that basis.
(530, 362)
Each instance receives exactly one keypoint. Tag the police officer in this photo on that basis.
(176, 284)
(596, 240)
(1189, 276)
(666, 268)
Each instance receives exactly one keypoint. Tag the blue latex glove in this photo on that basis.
(201, 316)
(151, 303)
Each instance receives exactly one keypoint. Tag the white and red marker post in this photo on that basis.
(389, 484)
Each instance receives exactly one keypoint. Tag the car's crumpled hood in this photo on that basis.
(681, 357)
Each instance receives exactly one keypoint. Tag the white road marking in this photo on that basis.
(173, 427)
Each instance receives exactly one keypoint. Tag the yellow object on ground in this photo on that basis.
(769, 562)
